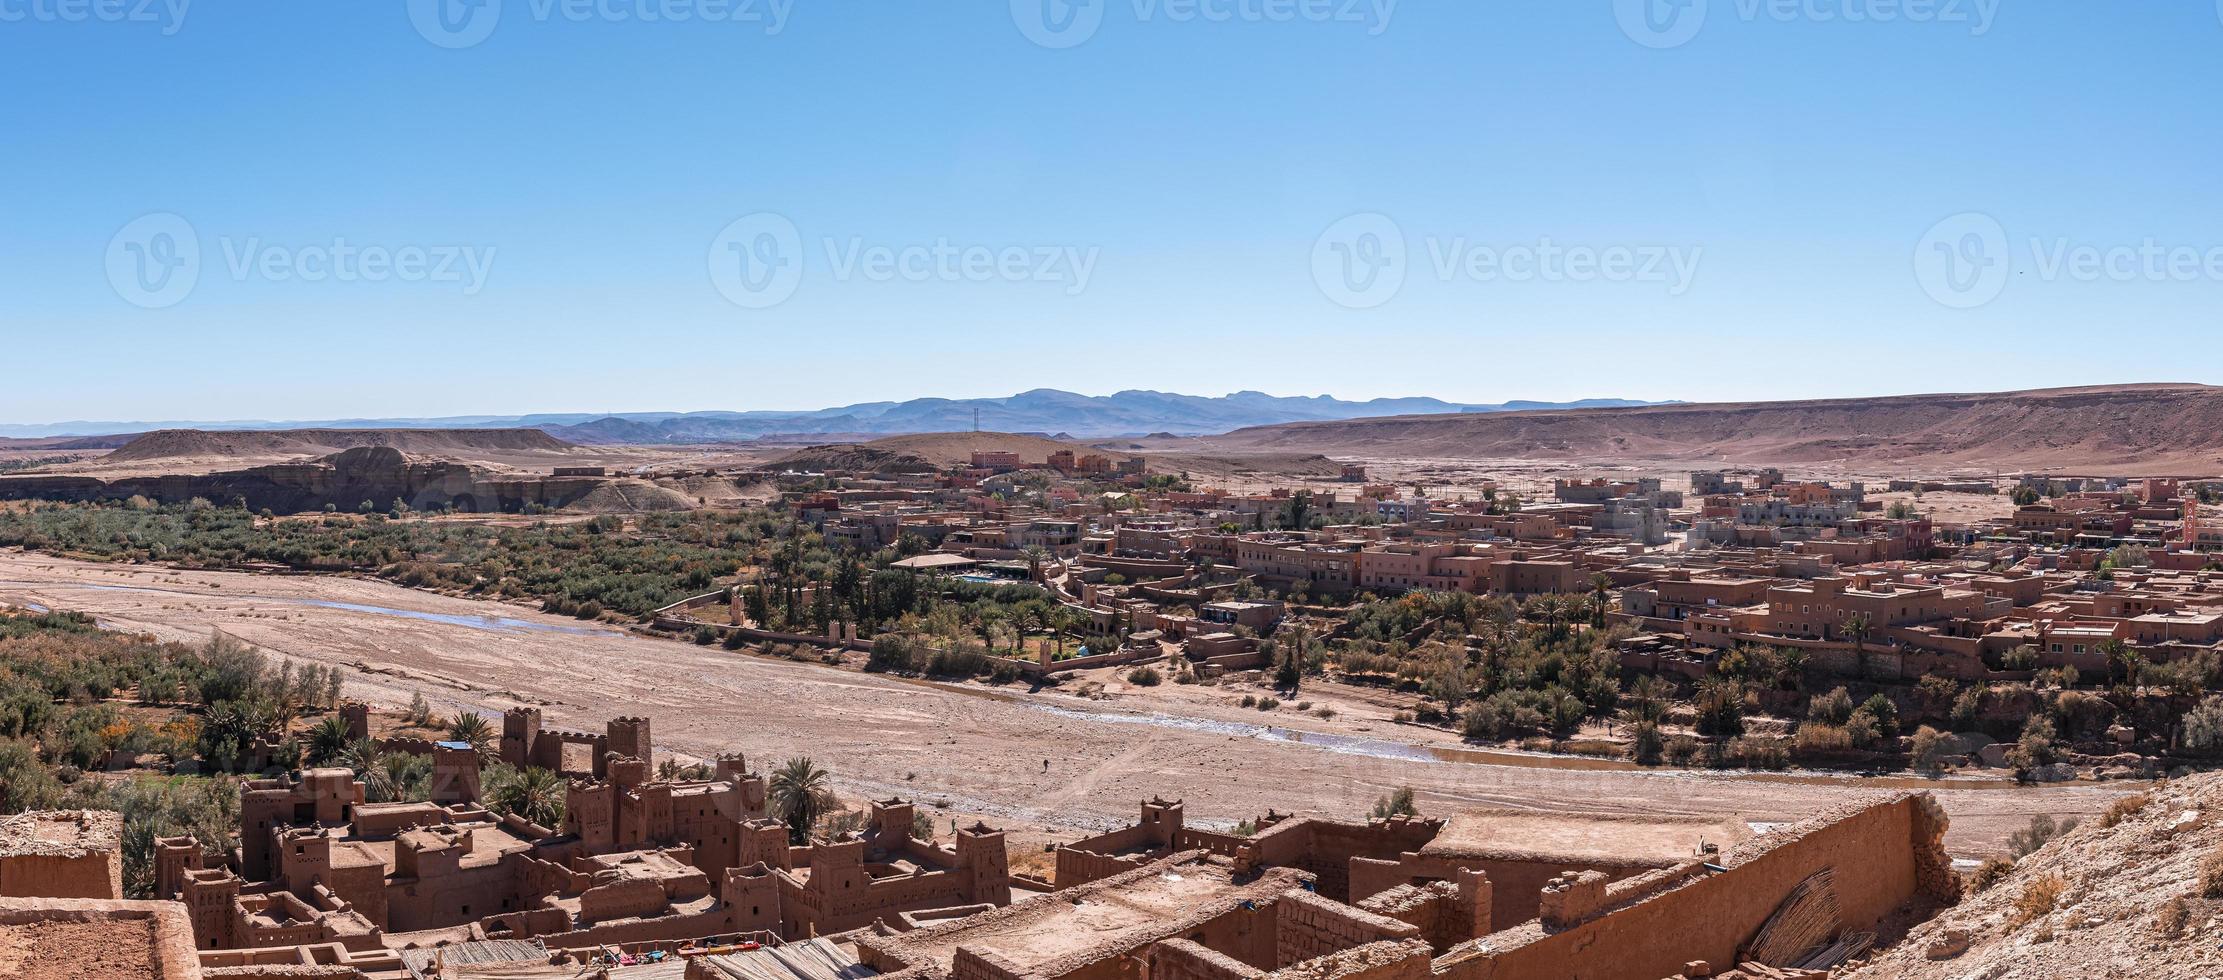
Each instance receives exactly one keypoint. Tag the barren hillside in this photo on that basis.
(2121, 901)
(926, 452)
(195, 443)
(2172, 428)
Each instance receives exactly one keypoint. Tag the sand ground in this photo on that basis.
(969, 751)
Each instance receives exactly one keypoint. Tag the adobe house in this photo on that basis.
(96, 939)
(62, 854)
(882, 873)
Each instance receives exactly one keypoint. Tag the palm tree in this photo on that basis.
(533, 794)
(1857, 628)
(327, 740)
(1601, 586)
(1549, 609)
(1648, 698)
(2123, 660)
(799, 795)
(1794, 668)
(379, 785)
(474, 729)
(1289, 671)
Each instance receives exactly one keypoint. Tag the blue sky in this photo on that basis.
(1755, 191)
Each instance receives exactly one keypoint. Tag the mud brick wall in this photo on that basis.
(1397, 960)
(94, 875)
(1309, 927)
(1878, 851)
(623, 899)
(971, 964)
(1076, 867)
(1180, 959)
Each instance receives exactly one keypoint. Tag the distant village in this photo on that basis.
(2085, 573)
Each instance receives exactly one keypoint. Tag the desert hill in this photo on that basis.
(2162, 428)
(198, 444)
(2130, 900)
(925, 453)
(1040, 410)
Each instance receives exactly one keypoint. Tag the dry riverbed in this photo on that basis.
(970, 751)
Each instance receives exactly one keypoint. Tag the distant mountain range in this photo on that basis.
(1045, 410)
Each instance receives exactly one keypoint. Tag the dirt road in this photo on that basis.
(970, 751)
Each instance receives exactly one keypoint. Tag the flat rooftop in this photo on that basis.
(78, 950)
(60, 833)
(1582, 839)
(1129, 910)
(66, 939)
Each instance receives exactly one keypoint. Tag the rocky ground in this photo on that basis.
(2126, 901)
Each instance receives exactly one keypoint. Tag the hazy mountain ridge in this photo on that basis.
(1132, 412)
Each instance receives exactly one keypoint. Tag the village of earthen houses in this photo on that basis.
(1111, 490)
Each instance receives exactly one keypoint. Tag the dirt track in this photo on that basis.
(977, 752)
